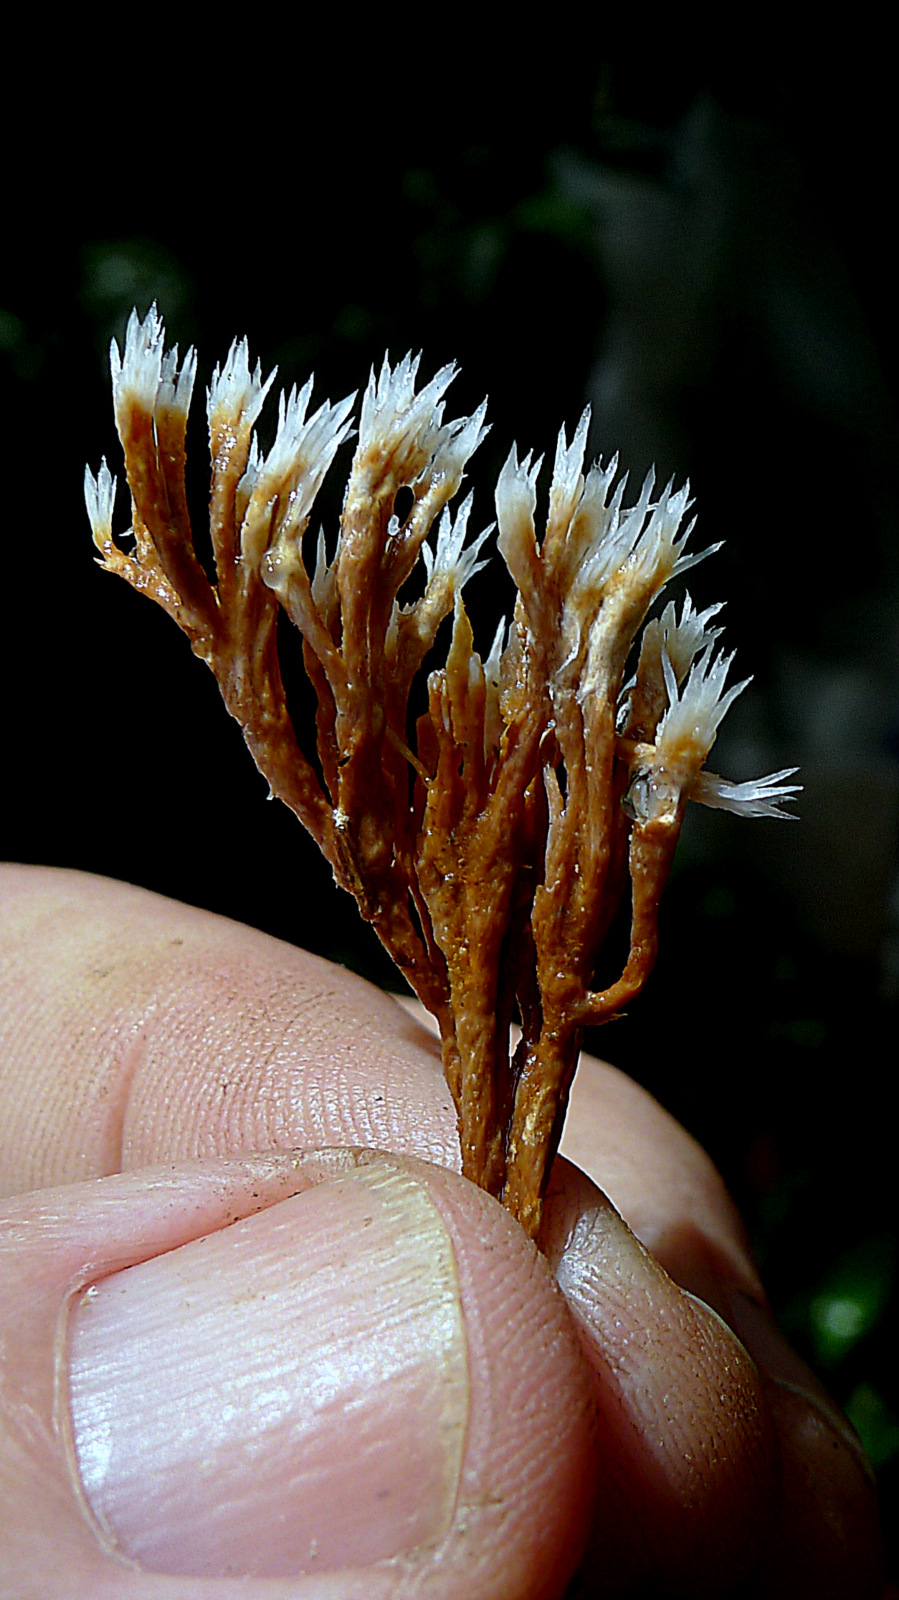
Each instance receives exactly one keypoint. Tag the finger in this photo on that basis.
(345, 1370)
(135, 1030)
(725, 1470)
(823, 1531)
(659, 1178)
(693, 1468)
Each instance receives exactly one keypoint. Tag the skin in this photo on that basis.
(240, 1144)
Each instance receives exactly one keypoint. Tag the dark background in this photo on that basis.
(703, 252)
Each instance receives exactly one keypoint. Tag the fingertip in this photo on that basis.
(687, 1444)
(242, 1391)
(826, 1537)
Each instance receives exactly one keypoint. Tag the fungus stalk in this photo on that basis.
(491, 839)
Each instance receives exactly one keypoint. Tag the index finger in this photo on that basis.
(136, 1029)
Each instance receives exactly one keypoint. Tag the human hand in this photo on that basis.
(348, 1373)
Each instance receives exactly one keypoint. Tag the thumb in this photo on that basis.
(343, 1369)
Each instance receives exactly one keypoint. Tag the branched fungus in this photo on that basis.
(489, 840)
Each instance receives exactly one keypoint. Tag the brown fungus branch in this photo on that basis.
(490, 856)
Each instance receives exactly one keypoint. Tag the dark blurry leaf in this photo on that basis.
(875, 1424)
(848, 1302)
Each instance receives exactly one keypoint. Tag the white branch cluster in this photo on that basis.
(146, 374)
(236, 394)
(99, 497)
(590, 584)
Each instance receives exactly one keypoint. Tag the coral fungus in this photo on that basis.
(489, 840)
